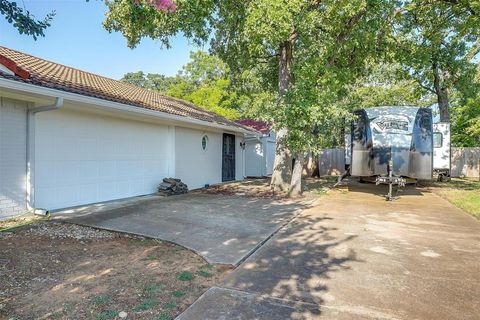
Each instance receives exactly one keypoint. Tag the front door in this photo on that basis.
(228, 158)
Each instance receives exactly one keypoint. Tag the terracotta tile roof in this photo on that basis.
(33, 70)
(259, 126)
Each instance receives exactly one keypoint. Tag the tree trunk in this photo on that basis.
(342, 133)
(442, 95)
(296, 183)
(309, 165)
(282, 165)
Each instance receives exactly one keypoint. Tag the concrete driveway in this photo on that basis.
(356, 256)
(222, 228)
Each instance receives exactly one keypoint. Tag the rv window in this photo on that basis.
(437, 139)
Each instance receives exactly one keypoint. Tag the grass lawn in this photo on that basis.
(464, 193)
(52, 270)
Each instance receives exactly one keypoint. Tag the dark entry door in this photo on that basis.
(228, 159)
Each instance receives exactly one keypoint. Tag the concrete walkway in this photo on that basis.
(356, 256)
(224, 229)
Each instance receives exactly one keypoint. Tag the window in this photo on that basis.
(205, 142)
(437, 139)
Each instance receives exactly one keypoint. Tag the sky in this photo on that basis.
(78, 39)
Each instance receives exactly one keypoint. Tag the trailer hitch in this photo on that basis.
(391, 180)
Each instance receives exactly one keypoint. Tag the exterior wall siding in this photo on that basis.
(13, 135)
(195, 166)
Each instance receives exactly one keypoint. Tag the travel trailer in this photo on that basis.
(392, 144)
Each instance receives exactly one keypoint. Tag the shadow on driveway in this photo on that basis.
(223, 229)
(356, 256)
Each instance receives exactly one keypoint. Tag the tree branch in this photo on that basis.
(463, 4)
(424, 86)
(343, 35)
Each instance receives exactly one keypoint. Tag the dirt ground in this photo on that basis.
(260, 188)
(52, 270)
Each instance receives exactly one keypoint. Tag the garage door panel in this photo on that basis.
(88, 170)
(95, 158)
(65, 172)
(87, 191)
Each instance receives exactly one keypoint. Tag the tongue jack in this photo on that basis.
(391, 180)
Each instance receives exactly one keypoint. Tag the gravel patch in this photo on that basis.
(58, 230)
(6, 235)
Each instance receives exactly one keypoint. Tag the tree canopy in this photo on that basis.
(436, 42)
(23, 20)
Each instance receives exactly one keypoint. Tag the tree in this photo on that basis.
(303, 52)
(138, 79)
(466, 124)
(203, 81)
(23, 20)
(436, 42)
(152, 81)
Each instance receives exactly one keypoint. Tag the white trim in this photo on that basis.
(35, 89)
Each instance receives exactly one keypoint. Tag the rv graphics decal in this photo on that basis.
(388, 123)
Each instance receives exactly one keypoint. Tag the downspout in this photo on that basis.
(58, 103)
(30, 154)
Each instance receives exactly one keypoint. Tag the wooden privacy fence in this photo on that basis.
(331, 162)
(465, 162)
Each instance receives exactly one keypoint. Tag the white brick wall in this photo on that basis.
(13, 128)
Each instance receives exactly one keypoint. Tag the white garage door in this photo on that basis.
(83, 158)
(254, 159)
(270, 154)
(13, 133)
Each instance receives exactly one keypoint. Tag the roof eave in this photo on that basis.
(75, 97)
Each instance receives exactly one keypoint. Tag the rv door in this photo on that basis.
(441, 148)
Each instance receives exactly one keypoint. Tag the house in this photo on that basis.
(259, 149)
(70, 137)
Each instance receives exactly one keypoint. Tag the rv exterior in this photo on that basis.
(441, 151)
(392, 141)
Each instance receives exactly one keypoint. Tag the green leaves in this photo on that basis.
(435, 43)
(466, 123)
(23, 21)
(191, 17)
(203, 81)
